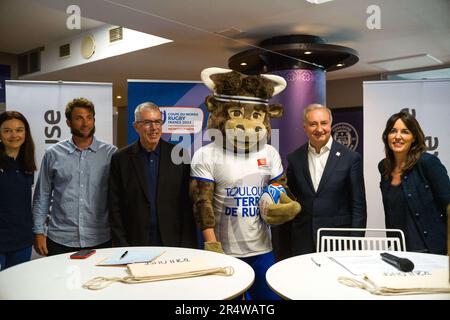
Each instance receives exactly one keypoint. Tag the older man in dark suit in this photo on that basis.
(327, 180)
(149, 202)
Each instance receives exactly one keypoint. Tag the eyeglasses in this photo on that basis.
(148, 123)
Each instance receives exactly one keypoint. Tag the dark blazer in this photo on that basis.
(339, 202)
(427, 192)
(129, 201)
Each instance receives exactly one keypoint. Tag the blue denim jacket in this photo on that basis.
(427, 191)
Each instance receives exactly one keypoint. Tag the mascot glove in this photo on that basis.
(214, 247)
(282, 212)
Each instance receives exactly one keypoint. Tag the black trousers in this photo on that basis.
(293, 238)
(56, 248)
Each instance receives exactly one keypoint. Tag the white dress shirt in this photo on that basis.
(317, 162)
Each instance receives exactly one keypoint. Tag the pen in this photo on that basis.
(124, 254)
(316, 263)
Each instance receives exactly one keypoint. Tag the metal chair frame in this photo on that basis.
(342, 243)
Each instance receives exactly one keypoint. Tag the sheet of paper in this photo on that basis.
(132, 256)
(359, 265)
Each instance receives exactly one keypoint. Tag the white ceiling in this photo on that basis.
(25, 25)
(408, 27)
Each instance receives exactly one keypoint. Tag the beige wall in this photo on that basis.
(346, 93)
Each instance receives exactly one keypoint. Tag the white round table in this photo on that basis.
(301, 277)
(59, 277)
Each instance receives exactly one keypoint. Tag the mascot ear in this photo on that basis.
(209, 103)
(275, 110)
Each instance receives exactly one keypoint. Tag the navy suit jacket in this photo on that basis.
(339, 202)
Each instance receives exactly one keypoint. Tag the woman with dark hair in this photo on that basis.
(414, 185)
(17, 166)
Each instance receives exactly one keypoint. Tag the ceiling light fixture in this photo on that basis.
(318, 1)
(340, 65)
(288, 52)
(307, 52)
(243, 63)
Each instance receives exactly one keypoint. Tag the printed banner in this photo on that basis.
(43, 104)
(181, 120)
(347, 128)
(182, 105)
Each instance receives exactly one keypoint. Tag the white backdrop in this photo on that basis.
(40, 102)
(429, 100)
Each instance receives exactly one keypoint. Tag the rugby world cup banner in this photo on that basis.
(43, 104)
(428, 101)
(182, 106)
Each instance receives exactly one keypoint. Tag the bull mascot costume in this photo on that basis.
(229, 174)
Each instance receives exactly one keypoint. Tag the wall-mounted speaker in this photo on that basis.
(87, 47)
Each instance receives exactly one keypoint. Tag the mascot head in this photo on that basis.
(239, 106)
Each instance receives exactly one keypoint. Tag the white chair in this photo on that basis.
(342, 243)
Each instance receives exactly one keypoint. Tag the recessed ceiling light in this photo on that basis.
(119, 97)
(340, 65)
(307, 52)
(243, 63)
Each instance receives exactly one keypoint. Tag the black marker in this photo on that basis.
(124, 254)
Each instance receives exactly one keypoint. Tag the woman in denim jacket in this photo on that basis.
(414, 185)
